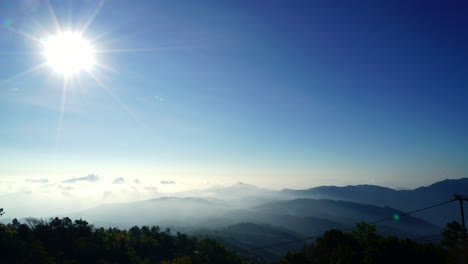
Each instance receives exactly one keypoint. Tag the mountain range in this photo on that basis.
(330, 205)
(405, 200)
(244, 216)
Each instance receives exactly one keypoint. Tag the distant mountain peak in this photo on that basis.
(241, 185)
(447, 185)
(244, 184)
(445, 182)
(450, 181)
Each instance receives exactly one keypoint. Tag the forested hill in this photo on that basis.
(61, 240)
(66, 241)
(363, 245)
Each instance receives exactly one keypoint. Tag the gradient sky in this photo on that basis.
(273, 93)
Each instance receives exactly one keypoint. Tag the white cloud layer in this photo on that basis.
(54, 196)
(167, 182)
(43, 180)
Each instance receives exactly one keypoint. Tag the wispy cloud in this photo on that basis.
(43, 180)
(89, 178)
(168, 182)
(66, 188)
(136, 181)
(151, 189)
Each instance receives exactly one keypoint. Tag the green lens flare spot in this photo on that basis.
(396, 217)
(7, 22)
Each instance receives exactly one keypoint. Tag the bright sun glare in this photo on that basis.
(69, 53)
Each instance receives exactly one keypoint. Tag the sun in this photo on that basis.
(69, 53)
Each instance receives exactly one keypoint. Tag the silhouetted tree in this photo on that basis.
(61, 240)
(452, 240)
(452, 235)
(363, 245)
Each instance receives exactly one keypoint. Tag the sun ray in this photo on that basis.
(62, 112)
(7, 53)
(116, 99)
(106, 67)
(100, 36)
(52, 13)
(90, 20)
(40, 28)
(45, 32)
(28, 71)
(70, 14)
(139, 50)
(21, 33)
(77, 80)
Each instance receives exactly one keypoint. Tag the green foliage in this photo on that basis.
(452, 235)
(364, 233)
(179, 260)
(363, 245)
(61, 240)
(452, 240)
(337, 247)
(302, 256)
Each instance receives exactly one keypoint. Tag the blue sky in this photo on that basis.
(277, 94)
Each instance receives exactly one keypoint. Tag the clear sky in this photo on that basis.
(273, 93)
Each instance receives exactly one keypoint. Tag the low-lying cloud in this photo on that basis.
(106, 194)
(89, 178)
(168, 182)
(118, 180)
(43, 180)
(151, 189)
(66, 188)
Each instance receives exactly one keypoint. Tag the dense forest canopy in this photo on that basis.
(61, 240)
(362, 245)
